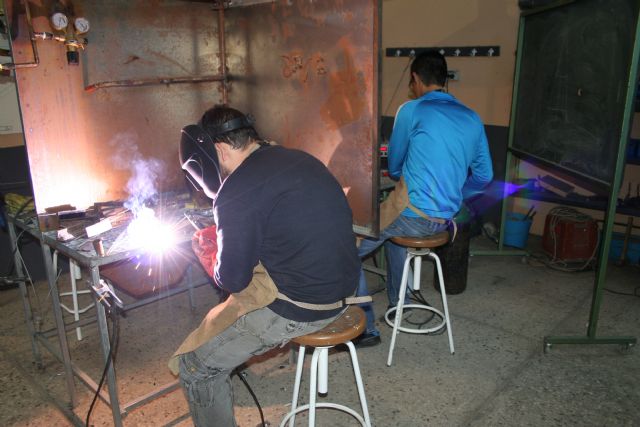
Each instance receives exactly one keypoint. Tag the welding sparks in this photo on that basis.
(148, 232)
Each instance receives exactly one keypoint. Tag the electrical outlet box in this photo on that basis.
(453, 75)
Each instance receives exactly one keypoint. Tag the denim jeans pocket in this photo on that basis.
(295, 329)
(198, 379)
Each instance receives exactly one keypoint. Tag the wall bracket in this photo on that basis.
(446, 51)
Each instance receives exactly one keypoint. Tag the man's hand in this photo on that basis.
(205, 247)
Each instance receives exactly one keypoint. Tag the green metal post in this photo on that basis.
(607, 227)
(509, 161)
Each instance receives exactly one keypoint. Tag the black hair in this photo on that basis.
(214, 119)
(431, 67)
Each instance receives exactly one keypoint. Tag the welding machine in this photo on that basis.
(570, 235)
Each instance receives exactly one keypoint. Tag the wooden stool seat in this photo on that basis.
(433, 241)
(346, 327)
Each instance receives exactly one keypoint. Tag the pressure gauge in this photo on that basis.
(82, 25)
(59, 21)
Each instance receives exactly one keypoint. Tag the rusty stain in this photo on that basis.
(287, 30)
(292, 63)
(295, 64)
(348, 16)
(131, 59)
(243, 24)
(347, 89)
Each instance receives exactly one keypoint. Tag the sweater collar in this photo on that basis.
(436, 94)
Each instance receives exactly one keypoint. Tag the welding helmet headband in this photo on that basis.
(198, 156)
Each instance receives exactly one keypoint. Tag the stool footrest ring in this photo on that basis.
(342, 408)
(417, 330)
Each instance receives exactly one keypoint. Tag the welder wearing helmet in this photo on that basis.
(280, 211)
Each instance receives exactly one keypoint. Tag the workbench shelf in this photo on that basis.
(548, 196)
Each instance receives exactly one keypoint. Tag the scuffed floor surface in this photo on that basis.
(499, 375)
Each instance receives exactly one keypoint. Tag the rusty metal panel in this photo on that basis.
(308, 71)
(84, 147)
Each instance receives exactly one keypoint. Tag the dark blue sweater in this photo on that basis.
(283, 207)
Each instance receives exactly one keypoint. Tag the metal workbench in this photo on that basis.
(82, 252)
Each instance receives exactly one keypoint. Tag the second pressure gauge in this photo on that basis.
(59, 21)
(82, 25)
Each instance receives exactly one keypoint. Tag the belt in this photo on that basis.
(425, 216)
(452, 222)
(330, 306)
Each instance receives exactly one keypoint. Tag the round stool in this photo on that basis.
(417, 247)
(341, 331)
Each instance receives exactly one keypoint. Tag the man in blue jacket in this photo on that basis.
(440, 148)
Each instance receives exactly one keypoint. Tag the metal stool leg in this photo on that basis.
(296, 386)
(73, 267)
(319, 358)
(399, 308)
(323, 371)
(356, 371)
(417, 255)
(417, 270)
(445, 306)
(313, 386)
(74, 275)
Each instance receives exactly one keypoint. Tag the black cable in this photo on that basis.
(12, 264)
(18, 212)
(112, 346)
(400, 80)
(634, 294)
(253, 395)
(420, 299)
(11, 267)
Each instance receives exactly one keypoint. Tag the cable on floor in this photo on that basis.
(636, 292)
(417, 296)
(242, 375)
(115, 326)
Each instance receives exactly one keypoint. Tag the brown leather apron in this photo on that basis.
(394, 204)
(398, 201)
(260, 292)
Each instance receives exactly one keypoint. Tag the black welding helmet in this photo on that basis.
(198, 156)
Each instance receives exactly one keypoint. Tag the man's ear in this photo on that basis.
(221, 151)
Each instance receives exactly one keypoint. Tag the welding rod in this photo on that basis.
(99, 247)
(191, 221)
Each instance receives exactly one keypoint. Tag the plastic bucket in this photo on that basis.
(516, 230)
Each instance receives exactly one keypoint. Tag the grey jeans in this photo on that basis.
(204, 373)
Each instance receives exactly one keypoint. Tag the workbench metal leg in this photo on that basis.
(57, 315)
(26, 305)
(190, 287)
(106, 346)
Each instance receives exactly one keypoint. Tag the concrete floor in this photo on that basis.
(499, 375)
